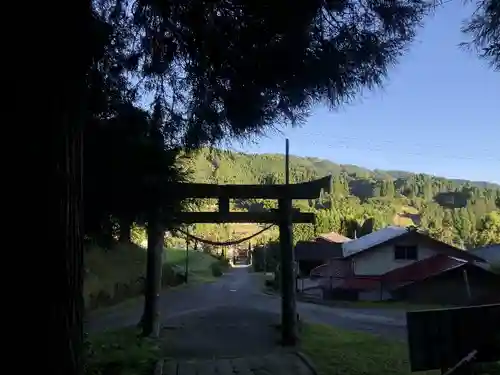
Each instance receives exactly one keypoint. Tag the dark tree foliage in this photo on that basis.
(233, 68)
(125, 156)
(484, 29)
(125, 153)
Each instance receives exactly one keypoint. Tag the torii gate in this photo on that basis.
(284, 216)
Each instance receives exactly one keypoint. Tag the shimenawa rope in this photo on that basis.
(226, 243)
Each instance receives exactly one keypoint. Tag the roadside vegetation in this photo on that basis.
(122, 351)
(116, 274)
(401, 305)
(341, 352)
(202, 266)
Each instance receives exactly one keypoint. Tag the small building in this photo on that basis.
(311, 254)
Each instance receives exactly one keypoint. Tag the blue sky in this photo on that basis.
(438, 113)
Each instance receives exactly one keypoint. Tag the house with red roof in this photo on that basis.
(443, 279)
(405, 263)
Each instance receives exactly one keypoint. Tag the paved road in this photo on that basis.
(240, 291)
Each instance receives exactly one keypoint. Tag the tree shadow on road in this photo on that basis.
(227, 331)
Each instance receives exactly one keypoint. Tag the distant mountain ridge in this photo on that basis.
(451, 209)
(480, 184)
(359, 171)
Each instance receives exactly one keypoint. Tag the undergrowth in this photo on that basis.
(122, 352)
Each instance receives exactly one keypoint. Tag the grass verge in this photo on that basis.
(116, 275)
(369, 304)
(341, 352)
(202, 267)
(122, 352)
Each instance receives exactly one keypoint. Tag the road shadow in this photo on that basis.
(227, 331)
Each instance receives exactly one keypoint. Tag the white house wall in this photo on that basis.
(381, 260)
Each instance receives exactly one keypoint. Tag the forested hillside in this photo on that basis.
(464, 213)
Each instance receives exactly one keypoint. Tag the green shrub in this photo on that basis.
(219, 267)
(216, 269)
(139, 236)
(170, 277)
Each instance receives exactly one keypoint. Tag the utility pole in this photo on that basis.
(265, 258)
(288, 303)
(249, 253)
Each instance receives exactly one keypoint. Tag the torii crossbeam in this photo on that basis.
(305, 190)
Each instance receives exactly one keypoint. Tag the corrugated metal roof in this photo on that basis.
(402, 276)
(334, 237)
(372, 239)
(421, 270)
(490, 253)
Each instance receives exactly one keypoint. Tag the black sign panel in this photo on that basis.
(440, 338)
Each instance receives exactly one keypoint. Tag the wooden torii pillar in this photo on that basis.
(285, 216)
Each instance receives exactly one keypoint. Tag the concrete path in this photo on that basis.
(228, 340)
(221, 332)
(242, 289)
(269, 364)
(229, 327)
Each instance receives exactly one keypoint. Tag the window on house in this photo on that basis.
(405, 253)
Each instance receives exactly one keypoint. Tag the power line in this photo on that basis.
(366, 145)
(379, 148)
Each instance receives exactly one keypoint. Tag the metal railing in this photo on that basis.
(463, 364)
